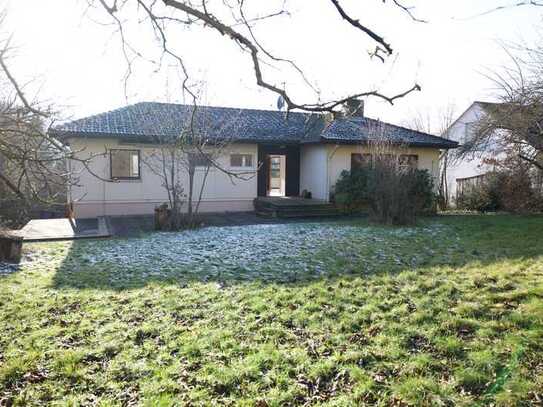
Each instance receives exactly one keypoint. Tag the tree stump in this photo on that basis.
(11, 245)
(162, 217)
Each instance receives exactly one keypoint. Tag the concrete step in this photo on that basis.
(300, 213)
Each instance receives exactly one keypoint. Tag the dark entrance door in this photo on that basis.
(269, 173)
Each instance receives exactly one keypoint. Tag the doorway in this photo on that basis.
(276, 175)
(291, 154)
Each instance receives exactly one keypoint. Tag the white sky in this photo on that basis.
(79, 66)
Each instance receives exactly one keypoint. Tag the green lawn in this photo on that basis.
(344, 313)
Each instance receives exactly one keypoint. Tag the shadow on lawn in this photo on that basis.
(296, 253)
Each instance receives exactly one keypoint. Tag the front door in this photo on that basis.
(276, 175)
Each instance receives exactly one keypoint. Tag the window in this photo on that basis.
(241, 160)
(408, 161)
(199, 160)
(388, 160)
(125, 164)
(275, 167)
(360, 161)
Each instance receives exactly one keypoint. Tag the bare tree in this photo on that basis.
(33, 166)
(183, 162)
(237, 21)
(438, 122)
(515, 123)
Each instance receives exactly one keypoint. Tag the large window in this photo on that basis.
(241, 160)
(405, 161)
(199, 160)
(408, 161)
(360, 161)
(125, 164)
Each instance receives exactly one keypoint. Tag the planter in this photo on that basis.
(11, 245)
(162, 217)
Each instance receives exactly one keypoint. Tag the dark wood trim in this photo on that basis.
(292, 167)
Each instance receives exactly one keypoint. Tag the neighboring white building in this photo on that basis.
(288, 154)
(468, 170)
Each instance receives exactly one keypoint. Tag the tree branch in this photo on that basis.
(213, 22)
(356, 23)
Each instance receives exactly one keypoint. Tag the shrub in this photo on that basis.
(351, 192)
(393, 195)
(484, 197)
(511, 191)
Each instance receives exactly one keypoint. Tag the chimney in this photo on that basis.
(354, 108)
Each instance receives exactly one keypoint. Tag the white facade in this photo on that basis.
(322, 165)
(314, 170)
(96, 194)
(472, 165)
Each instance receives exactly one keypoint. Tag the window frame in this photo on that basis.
(362, 155)
(201, 156)
(129, 178)
(407, 157)
(243, 161)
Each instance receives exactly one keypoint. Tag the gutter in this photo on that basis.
(447, 145)
(148, 139)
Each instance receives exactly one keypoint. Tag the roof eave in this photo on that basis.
(139, 138)
(446, 145)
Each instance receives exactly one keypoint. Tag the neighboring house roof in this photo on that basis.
(151, 121)
(487, 105)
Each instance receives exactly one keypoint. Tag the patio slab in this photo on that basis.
(64, 229)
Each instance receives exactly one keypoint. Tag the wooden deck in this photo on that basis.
(293, 207)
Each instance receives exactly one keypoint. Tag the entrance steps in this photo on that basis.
(293, 207)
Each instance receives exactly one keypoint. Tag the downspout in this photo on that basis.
(107, 168)
(328, 159)
(70, 182)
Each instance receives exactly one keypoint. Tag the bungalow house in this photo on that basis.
(288, 154)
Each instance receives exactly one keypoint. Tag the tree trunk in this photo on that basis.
(192, 170)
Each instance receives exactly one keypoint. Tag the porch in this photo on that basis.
(293, 207)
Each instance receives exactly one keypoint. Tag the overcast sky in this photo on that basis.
(79, 66)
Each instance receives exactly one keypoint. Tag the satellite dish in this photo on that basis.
(280, 102)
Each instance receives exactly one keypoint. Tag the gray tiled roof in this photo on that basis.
(148, 121)
(361, 130)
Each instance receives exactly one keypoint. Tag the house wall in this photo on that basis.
(96, 197)
(313, 170)
(472, 165)
(322, 165)
(339, 160)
